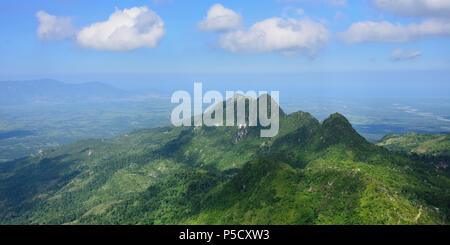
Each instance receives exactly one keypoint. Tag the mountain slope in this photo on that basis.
(333, 186)
(310, 173)
(270, 192)
(422, 144)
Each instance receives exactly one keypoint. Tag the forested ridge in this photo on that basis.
(311, 173)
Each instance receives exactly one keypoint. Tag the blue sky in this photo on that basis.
(182, 46)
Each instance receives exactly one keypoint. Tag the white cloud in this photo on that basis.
(126, 29)
(368, 31)
(399, 55)
(276, 34)
(219, 19)
(434, 8)
(54, 27)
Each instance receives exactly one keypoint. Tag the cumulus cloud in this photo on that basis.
(287, 36)
(126, 29)
(276, 34)
(434, 8)
(54, 27)
(368, 31)
(399, 55)
(219, 19)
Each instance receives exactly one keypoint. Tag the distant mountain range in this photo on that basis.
(55, 92)
(311, 173)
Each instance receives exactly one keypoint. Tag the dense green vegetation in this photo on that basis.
(311, 173)
(422, 144)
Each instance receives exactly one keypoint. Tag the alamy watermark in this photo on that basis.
(258, 109)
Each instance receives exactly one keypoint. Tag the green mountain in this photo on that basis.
(422, 144)
(311, 173)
